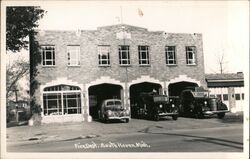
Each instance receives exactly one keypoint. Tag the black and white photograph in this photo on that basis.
(125, 79)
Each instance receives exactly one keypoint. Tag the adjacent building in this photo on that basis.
(229, 87)
(79, 69)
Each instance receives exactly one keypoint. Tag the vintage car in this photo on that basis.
(198, 104)
(113, 109)
(153, 106)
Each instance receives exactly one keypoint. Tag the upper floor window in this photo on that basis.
(143, 55)
(170, 55)
(104, 55)
(124, 57)
(48, 55)
(73, 55)
(190, 55)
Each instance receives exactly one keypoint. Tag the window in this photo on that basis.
(61, 99)
(103, 55)
(48, 55)
(143, 55)
(237, 96)
(73, 55)
(225, 97)
(71, 103)
(242, 96)
(212, 95)
(190, 55)
(170, 55)
(124, 58)
(52, 104)
(218, 96)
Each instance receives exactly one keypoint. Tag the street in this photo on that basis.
(183, 135)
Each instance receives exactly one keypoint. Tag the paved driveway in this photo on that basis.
(71, 130)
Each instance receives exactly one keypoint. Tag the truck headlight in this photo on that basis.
(160, 106)
(172, 105)
(109, 112)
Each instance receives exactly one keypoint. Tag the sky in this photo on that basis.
(224, 24)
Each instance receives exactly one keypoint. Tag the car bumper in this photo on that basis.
(215, 112)
(167, 114)
(118, 118)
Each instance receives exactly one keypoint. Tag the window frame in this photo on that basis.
(167, 55)
(44, 52)
(225, 97)
(194, 53)
(121, 52)
(60, 100)
(78, 53)
(140, 55)
(237, 96)
(100, 59)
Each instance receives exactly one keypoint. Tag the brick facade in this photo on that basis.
(90, 73)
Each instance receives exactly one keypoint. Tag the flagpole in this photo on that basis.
(121, 14)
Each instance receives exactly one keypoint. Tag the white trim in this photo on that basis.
(181, 78)
(105, 79)
(58, 81)
(145, 79)
(101, 80)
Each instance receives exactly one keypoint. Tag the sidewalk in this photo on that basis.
(78, 130)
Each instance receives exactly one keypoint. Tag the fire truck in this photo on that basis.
(153, 106)
(198, 103)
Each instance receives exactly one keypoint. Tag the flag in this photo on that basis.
(140, 13)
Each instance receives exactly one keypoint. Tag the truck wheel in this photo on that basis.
(175, 117)
(105, 120)
(199, 115)
(126, 120)
(221, 115)
(156, 118)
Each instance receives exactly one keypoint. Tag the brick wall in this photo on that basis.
(90, 71)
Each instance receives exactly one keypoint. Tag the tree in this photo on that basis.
(20, 23)
(221, 60)
(14, 73)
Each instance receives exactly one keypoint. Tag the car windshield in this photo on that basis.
(114, 105)
(160, 99)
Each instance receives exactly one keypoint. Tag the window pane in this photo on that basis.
(48, 55)
(72, 103)
(52, 104)
(103, 54)
(190, 54)
(242, 96)
(225, 97)
(143, 55)
(170, 55)
(124, 55)
(218, 96)
(237, 96)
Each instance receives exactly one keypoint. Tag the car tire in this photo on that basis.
(221, 115)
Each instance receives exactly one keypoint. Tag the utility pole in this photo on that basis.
(16, 90)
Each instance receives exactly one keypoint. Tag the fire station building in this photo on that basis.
(79, 69)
